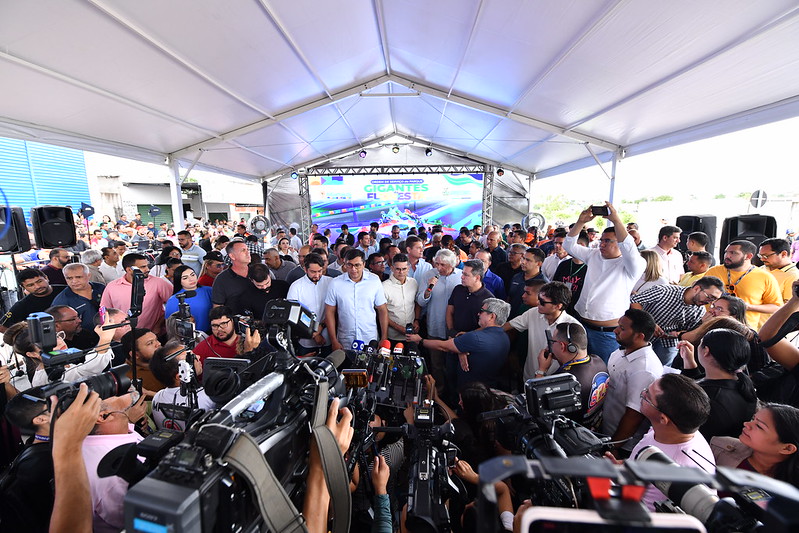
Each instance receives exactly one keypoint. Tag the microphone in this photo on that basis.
(336, 358)
(371, 348)
(430, 287)
(399, 349)
(357, 345)
(385, 349)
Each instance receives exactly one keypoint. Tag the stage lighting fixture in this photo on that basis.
(294, 175)
(428, 152)
(395, 148)
(500, 172)
(362, 154)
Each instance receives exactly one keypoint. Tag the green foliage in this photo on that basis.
(720, 196)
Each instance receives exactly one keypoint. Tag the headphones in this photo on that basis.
(570, 347)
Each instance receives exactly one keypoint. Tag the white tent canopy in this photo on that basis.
(257, 89)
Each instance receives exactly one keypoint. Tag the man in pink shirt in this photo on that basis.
(157, 292)
(113, 428)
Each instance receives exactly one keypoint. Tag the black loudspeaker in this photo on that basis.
(691, 223)
(53, 226)
(752, 228)
(14, 231)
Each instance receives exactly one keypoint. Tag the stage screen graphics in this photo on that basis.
(411, 200)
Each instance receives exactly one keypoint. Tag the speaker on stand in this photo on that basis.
(53, 226)
(752, 228)
(14, 239)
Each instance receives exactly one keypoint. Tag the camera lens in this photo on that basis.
(115, 382)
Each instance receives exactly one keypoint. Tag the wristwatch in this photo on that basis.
(540, 373)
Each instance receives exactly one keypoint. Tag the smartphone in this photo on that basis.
(550, 340)
(102, 313)
(600, 210)
(549, 519)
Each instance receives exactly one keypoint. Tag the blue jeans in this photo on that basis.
(665, 354)
(601, 343)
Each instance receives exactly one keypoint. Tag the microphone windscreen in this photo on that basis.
(336, 358)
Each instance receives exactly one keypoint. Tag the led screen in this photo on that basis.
(452, 200)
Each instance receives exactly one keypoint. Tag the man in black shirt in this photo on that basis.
(40, 296)
(232, 283)
(511, 267)
(572, 272)
(59, 258)
(264, 290)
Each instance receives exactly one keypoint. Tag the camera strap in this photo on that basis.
(280, 515)
(336, 475)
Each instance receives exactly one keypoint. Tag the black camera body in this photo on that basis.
(115, 382)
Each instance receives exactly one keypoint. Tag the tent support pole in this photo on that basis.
(265, 194)
(177, 198)
(530, 182)
(613, 177)
(488, 195)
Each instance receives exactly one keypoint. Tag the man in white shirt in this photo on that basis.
(400, 290)
(632, 368)
(553, 298)
(613, 269)
(666, 248)
(419, 268)
(111, 267)
(310, 290)
(558, 255)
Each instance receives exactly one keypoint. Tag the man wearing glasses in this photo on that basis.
(675, 310)
(613, 269)
(676, 406)
(755, 286)
(776, 256)
(68, 324)
(223, 338)
(351, 302)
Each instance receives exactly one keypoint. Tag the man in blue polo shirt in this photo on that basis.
(81, 294)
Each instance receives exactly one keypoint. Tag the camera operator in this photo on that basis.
(72, 510)
(113, 427)
(166, 371)
(676, 406)
(569, 353)
(69, 322)
(27, 496)
(115, 316)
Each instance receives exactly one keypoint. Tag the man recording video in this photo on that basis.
(164, 366)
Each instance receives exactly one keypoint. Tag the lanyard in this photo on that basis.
(730, 285)
(573, 362)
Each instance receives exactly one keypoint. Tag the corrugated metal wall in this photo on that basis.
(34, 174)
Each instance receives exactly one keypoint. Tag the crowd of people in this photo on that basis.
(666, 346)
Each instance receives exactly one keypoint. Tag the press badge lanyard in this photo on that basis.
(733, 285)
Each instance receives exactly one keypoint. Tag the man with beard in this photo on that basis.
(265, 290)
(68, 321)
(676, 309)
(223, 338)
(40, 296)
(54, 269)
(632, 368)
(310, 291)
(755, 286)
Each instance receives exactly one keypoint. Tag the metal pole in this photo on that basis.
(613, 176)
(530, 182)
(177, 197)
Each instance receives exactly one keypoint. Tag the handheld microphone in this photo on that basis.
(357, 345)
(399, 349)
(430, 287)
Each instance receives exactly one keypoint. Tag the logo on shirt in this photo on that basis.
(599, 388)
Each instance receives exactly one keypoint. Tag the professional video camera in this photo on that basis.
(429, 482)
(757, 502)
(253, 449)
(536, 426)
(115, 382)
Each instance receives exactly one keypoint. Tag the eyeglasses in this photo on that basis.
(645, 397)
(766, 256)
(221, 324)
(709, 297)
(486, 311)
(353, 265)
(718, 308)
(541, 301)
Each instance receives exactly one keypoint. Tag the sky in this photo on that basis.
(764, 158)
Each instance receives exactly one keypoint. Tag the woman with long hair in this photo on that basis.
(160, 267)
(767, 445)
(653, 273)
(185, 280)
(724, 354)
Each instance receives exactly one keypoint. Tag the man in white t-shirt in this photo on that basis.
(676, 406)
(670, 256)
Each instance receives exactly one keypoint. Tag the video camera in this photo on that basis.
(757, 502)
(215, 479)
(536, 427)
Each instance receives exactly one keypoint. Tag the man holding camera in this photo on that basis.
(164, 365)
(223, 339)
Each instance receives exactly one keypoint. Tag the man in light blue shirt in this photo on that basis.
(351, 302)
(310, 290)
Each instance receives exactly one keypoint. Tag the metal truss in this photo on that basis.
(305, 207)
(488, 197)
(407, 169)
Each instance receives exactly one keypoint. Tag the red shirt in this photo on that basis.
(213, 347)
(206, 281)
